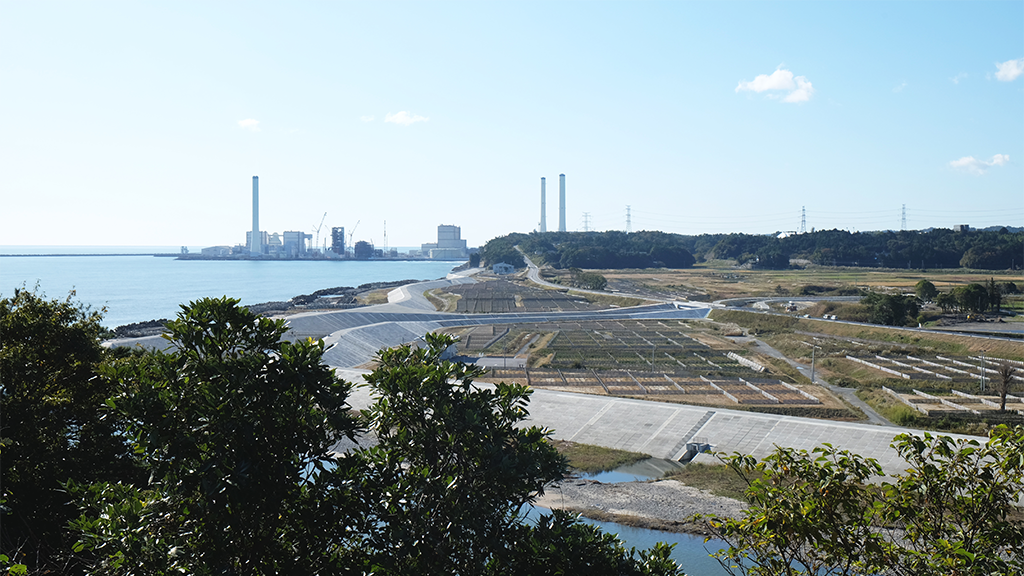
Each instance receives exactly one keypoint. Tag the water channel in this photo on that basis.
(690, 551)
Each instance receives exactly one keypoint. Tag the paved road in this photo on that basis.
(533, 273)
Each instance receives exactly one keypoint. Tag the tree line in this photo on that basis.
(611, 249)
(937, 248)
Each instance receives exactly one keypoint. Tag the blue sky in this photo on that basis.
(128, 123)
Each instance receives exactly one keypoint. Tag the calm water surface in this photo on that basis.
(690, 551)
(139, 288)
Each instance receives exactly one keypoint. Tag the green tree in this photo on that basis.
(1006, 375)
(588, 280)
(995, 296)
(559, 545)
(891, 309)
(453, 472)
(51, 427)
(946, 301)
(234, 427)
(971, 298)
(925, 290)
(772, 257)
(952, 512)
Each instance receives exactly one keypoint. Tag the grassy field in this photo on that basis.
(722, 279)
(718, 479)
(609, 300)
(589, 458)
(765, 324)
(443, 301)
(374, 297)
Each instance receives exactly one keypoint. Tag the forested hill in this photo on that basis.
(611, 249)
(936, 248)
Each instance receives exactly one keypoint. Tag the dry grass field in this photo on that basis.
(719, 280)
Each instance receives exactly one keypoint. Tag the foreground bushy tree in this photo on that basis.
(235, 426)
(52, 428)
(453, 472)
(954, 511)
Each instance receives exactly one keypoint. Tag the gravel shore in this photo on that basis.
(659, 504)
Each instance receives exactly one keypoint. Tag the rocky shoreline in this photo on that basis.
(666, 505)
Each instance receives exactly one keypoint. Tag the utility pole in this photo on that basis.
(982, 372)
(813, 347)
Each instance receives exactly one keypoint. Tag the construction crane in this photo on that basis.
(352, 234)
(317, 230)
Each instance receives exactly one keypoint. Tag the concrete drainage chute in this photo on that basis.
(697, 446)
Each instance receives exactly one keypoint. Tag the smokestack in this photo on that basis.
(561, 202)
(255, 243)
(543, 208)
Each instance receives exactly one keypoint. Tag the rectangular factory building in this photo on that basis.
(449, 245)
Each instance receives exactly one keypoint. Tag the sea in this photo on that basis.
(131, 285)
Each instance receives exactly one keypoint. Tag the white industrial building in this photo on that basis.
(449, 245)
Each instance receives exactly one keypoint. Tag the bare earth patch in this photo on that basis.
(666, 505)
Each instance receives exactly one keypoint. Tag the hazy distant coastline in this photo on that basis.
(93, 254)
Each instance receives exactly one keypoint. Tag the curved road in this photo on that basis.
(533, 273)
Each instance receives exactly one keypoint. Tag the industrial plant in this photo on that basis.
(544, 205)
(295, 245)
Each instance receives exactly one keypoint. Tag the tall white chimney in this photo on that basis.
(543, 207)
(256, 242)
(561, 202)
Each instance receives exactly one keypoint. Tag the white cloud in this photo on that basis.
(404, 118)
(956, 79)
(1010, 70)
(779, 80)
(803, 91)
(366, 118)
(799, 88)
(900, 87)
(252, 125)
(979, 167)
